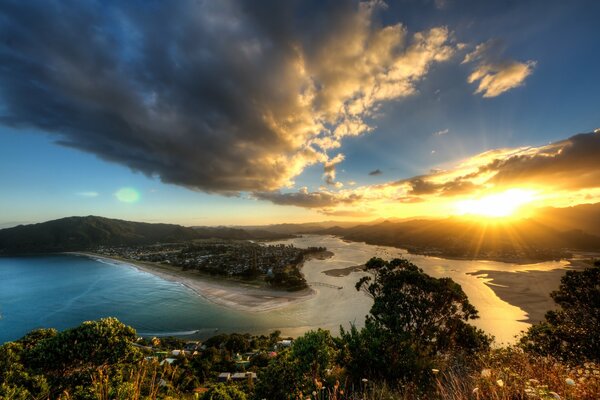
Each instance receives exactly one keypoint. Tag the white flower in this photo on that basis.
(365, 380)
(500, 382)
(570, 382)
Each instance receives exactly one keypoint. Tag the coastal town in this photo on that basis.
(277, 265)
(221, 358)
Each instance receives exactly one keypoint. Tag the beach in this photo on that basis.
(237, 295)
(529, 290)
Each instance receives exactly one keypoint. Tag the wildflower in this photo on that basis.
(314, 393)
(554, 395)
(435, 371)
(364, 380)
(500, 382)
(486, 373)
(570, 382)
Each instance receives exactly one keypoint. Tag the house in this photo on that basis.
(224, 376)
(192, 346)
(242, 376)
(282, 344)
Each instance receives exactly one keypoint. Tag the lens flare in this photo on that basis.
(127, 195)
(496, 205)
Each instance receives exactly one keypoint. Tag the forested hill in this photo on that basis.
(82, 233)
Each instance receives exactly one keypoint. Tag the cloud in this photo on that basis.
(569, 164)
(441, 132)
(87, 194)
(375, 172)
(329, 169)
(304, 198)
(494, 74)
(347, 213)
(495, 79)
(564, 169)
(410, 199)
(222, 96)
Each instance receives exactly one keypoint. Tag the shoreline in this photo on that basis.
(528, 289)
(238, 296)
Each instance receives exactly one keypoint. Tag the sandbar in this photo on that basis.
(232, 294)
(528, 290)
(339, 272)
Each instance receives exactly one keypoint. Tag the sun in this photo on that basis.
(497, 205)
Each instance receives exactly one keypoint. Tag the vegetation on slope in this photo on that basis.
(83, 233)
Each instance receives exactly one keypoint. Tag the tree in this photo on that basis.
(298, 370)
(16, 381)
(224, 392)
(315, 352)
(414, 322)
(573, 331)
(69, 357)
(281, 380)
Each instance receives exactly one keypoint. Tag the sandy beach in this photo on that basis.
(237, 295)
(528, 290)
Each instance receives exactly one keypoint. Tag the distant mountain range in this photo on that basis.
(82, 233)
(551, 234)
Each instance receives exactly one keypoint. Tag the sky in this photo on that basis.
(244, 113)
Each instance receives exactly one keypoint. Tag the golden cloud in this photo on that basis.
(563, 173)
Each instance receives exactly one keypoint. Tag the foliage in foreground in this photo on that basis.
(416, 344)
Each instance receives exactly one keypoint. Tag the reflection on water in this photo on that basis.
(62, 291)
(497, 317)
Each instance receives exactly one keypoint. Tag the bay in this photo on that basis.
(61, 291)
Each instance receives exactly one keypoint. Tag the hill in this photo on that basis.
(585, 217)
(81, 233)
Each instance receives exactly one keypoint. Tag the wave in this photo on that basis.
(178, 333)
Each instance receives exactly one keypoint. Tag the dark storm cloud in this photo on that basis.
(221, 96)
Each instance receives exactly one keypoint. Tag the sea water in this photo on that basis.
(61, 291)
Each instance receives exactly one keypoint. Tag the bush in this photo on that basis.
(224, 392)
